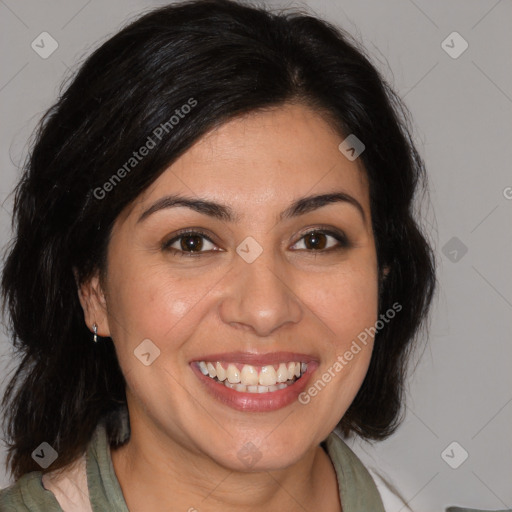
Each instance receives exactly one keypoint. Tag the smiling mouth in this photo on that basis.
(247, 378)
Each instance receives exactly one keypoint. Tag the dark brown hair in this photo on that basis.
(232, 59)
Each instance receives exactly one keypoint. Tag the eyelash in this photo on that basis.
(339, 237)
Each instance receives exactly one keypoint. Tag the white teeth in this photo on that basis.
(255, 389)
(250, 380)
(249, 375)
(268, 376)
(221, 373)
(233, 374)
(282, 373)
(202, 367)
(211, 370)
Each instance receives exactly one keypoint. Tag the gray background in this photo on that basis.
(461, 388)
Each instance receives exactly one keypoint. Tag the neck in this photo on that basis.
(169, 476)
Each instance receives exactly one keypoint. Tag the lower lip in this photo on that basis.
(255, 402)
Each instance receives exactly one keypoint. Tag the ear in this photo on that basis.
(385, 272)
(93, 301)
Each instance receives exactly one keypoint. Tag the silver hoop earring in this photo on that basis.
(95, 329)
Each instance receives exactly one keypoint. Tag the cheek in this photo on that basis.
(150, 300)
(345, 300)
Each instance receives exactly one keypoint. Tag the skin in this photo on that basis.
(183, 447)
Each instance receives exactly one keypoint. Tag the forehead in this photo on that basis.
(266, 158)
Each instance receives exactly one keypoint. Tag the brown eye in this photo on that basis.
(189, 243)
(315, 240)
(319, 241)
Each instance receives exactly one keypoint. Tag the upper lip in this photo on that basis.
(268, 358)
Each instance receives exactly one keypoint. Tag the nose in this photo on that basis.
(259, 296)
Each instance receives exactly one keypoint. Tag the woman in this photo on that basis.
(193, 332)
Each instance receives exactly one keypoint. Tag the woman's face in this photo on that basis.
(256, 293)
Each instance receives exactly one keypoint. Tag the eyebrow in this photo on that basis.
(225, 213)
